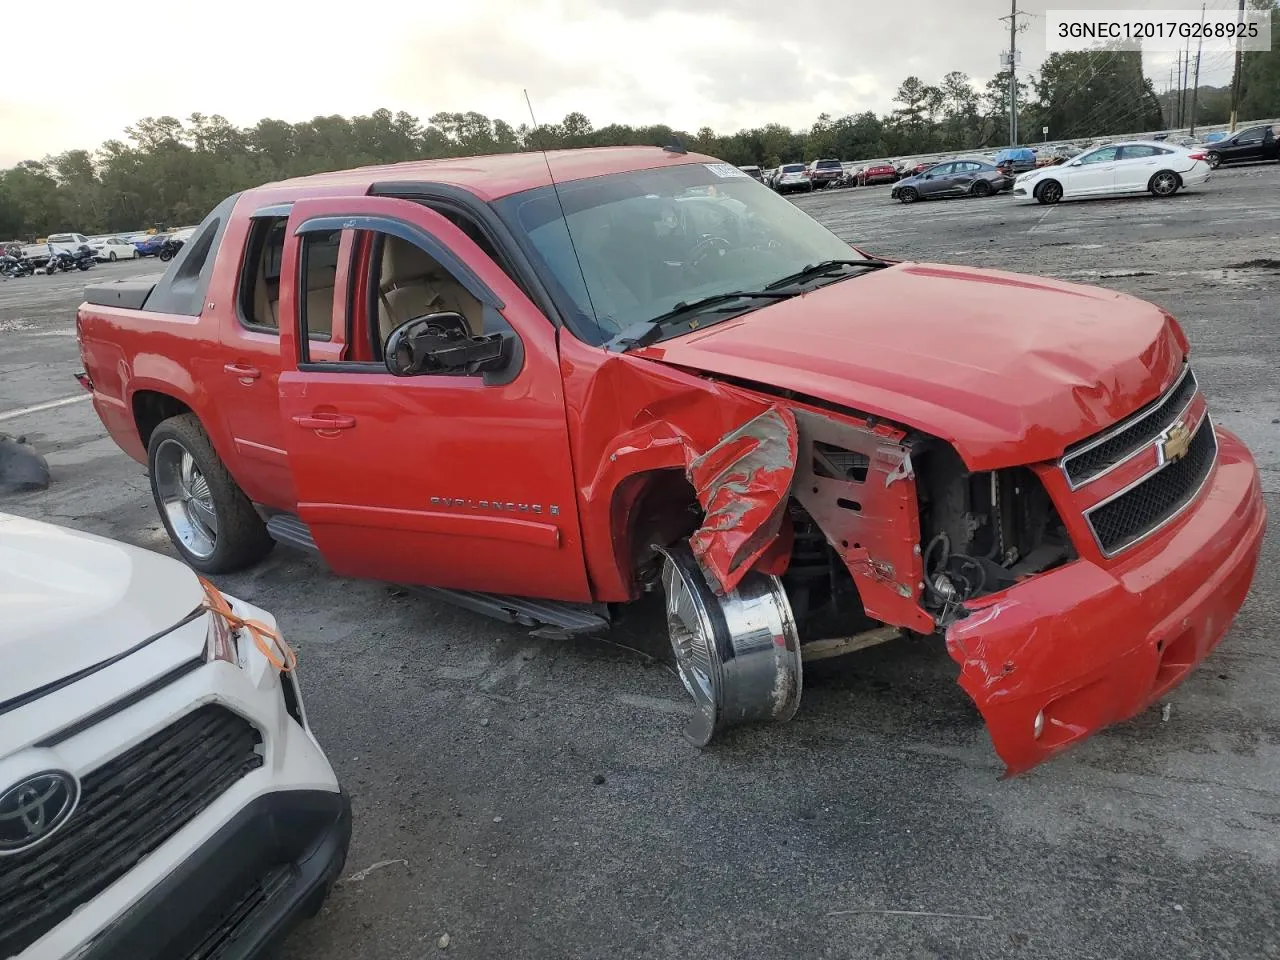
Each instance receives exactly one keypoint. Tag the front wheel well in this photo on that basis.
(653, 507)
(151, 408)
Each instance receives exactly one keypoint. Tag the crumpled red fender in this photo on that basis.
(743, 483)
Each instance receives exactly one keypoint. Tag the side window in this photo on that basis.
(943, 169)
(405, 282)
(1105, 155)
(1138, 152)
(1252, 135)
(259, 295)
(317, 277)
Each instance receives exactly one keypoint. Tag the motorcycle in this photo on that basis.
(15, 266)
(85, 257)
(66, 262)
(169, 249)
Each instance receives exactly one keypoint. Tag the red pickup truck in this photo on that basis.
(545, 385)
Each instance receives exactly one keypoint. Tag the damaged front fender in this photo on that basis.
(743, 483)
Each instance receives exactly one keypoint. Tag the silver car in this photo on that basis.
(793, 176)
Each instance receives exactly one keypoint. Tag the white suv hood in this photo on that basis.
(70, 600)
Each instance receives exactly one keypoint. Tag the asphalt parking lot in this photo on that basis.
(533, 798)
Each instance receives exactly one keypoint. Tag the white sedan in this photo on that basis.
(112, 248)
(1161, 169)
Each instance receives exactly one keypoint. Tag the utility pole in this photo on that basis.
(1186, 71)
(1195, 88)
(1014, 13)
(1235, 81)
(1176, 95)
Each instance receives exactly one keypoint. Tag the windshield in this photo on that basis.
(829, 165)
(793, 168)
(651, 239)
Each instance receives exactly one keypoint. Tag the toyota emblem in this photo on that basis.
(32, 810)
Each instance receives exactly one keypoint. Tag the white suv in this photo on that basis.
(161, 795)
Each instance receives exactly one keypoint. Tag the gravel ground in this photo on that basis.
(534, 798)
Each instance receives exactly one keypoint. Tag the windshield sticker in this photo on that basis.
(725, 170)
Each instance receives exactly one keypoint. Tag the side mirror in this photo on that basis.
(442, 343)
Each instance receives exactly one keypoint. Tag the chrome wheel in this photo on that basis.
(738, 655)
(186, 499)
(1164, 184)
(1215, 161)
(692, 641)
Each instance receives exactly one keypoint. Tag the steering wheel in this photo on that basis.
(705, 248)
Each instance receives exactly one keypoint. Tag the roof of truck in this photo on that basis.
(489, 177)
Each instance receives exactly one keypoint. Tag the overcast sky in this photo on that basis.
(77, 81)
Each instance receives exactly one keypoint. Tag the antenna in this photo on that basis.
(560, 203)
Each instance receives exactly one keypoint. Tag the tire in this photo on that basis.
(1213, 159)
(908, 195)
(112, 256)
(239, 537)
(1164, 184)
(981, 188)
(1049, 192)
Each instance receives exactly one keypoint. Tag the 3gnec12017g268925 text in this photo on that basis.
(1157, 30)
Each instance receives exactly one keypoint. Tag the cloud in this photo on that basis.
(726, 64)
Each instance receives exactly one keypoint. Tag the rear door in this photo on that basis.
(442, 478)
(245, 384)
(966, 171)
(1134, 166)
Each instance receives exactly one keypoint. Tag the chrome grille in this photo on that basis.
(1140, 510)
(1099, 455)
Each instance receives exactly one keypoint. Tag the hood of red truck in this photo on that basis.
(1009, 369)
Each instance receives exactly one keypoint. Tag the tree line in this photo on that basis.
(168, 172)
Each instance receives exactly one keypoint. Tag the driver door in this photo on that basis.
(938, 180)
(445, 478)
(1244, 146)
(1096, 172)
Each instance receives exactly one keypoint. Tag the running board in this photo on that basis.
(291, 531)
(575, 619)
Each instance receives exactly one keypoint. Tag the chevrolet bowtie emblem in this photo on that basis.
(1175, 443)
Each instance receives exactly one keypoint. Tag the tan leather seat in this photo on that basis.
(265, 300)
(412, 284)
(320, 287)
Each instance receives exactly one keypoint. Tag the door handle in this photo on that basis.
(325, 421)
(243, 371)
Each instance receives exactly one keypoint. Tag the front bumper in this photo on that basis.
(1091, 643)
(256, 852)
(238, 895)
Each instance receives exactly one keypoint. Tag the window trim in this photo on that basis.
(410, 233)
(254, 252)
(366, 367)
(300, 292)
(518, 267)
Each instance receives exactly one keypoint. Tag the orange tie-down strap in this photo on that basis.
(278, 653)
